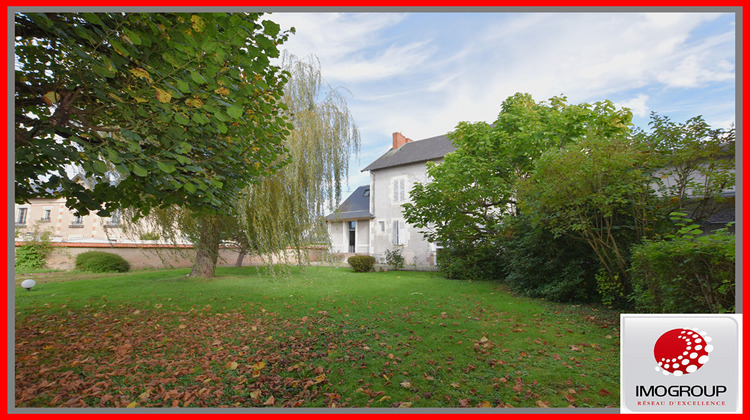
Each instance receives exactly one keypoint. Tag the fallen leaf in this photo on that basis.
(406, 384)
(455, 384)
(270, 400)
(232, 365)
(542, 404)
(255, 394)
(485, 404)
(404, 405)
(603, 392)
(133, 404)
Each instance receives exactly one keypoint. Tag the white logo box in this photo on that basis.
(697, 367)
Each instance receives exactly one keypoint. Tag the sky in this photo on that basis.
(422, 73)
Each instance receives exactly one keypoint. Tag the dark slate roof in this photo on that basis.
(415, 151)
(356, 206)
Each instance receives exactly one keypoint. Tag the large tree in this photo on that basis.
(475, 187)
(283, 210)
(158, 109)
(612, 190)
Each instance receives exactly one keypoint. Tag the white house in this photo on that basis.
(370, 220)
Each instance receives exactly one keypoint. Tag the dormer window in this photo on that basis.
(366, 193)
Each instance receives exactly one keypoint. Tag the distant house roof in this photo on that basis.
(412, 152)
(356, 206)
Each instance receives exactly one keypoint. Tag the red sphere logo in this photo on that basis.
(682, 351)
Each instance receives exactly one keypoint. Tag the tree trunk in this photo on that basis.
(240, 258)
(207, 247)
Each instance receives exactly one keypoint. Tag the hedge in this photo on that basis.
(685, 274)
(361, 263)
(101, 262)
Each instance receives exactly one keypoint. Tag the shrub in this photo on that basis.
(685, 274)
(480, 261)
(539, 265)
(33, 255)
(394, 259)
(101, 262)
(149, 236)
(361, 263)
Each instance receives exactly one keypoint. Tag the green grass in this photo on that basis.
(315, 337)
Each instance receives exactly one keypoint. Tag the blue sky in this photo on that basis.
(422, 73)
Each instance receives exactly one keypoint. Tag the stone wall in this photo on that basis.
(144, 256)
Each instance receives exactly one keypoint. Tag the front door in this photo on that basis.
(352, 236)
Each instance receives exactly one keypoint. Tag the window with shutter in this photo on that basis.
(21, 219)
(399, 190)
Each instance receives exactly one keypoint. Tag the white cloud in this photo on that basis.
(422, 80)
(637, 105)
(394, 61)
(353, 47)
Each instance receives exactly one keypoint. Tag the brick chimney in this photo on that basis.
(399, 140)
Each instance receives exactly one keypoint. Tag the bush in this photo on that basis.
(685, 274)
(539, 265)
(33, 255)
(394, 259)
(361, 263)
(480, 261)
(101, 262)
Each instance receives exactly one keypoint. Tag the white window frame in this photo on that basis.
(399, 232)
(115, 218)
(47, 214)
(22, 216)
(398, 184)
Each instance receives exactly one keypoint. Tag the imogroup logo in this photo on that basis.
(680, 363)
(682, 351)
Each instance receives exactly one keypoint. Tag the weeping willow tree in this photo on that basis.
(284, 211)
(280, 213)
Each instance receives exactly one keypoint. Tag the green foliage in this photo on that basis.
(596, 190)
(33, 255)
(361, 263)
(540, 265)
(685, 273)
(475, 261)
(476, 186)
(154, 109)
(611, 289)
(283, 210)
(394, 259)
(696, 163)
(101, 262)
(149, 236)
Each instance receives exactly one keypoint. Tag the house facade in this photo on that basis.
(51, 215)
(371, 221)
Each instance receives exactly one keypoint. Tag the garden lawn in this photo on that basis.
(318, 337)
